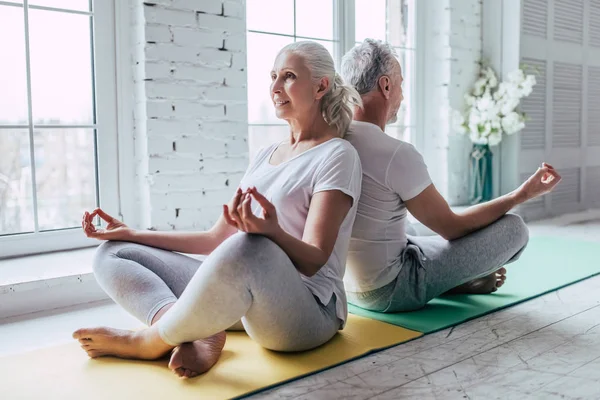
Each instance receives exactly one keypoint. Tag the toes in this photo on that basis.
(180, 372)
(501, 271)
(176, 361)
(95, 353)
(190, 374)
(79, 334)
(86, 333)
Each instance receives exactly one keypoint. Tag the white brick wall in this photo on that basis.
(191, 109)
(466, 46)
(453, 48)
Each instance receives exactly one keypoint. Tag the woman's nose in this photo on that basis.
(276, 86)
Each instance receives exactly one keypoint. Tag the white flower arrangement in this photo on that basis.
(491, 107)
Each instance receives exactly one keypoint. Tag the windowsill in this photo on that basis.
(48, 281)
(47, 266)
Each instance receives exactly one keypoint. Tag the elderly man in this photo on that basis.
(388, 270)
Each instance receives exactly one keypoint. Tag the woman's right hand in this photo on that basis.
(115, 229)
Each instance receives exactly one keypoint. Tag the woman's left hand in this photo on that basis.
(243, 219)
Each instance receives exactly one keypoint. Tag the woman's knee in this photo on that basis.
(250, 251)
(246, 243)
(104, 253)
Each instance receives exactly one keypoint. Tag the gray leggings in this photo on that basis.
(248, 283)
(432, 265)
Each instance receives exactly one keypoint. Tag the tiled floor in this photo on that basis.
(545, 348)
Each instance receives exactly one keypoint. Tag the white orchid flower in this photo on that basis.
(516, 77)
(479, 86)
(512, 123)
(509, 105)
(458, 122)
(495, 138)
(475, 138)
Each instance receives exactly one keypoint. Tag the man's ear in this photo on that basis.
(385, 86)
(322, 88)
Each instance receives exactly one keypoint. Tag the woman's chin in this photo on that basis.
(282, 114)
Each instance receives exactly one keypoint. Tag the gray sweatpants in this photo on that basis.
(431, 265)
(248, 278)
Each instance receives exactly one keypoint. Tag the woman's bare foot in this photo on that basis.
(140, 345)
(485, 285)
(192, 359)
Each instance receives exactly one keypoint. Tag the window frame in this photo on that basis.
(105, 95)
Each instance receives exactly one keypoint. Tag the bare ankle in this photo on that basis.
(161, 312)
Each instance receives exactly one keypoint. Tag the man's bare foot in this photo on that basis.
(141, 345)
(192, 359)
(485, 285)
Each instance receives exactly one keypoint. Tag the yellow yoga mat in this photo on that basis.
(65, 372)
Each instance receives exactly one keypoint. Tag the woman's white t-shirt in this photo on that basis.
(332, 165)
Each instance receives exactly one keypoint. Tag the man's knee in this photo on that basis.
(515, 231)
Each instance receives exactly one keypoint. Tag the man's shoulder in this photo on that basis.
(361, 127)
(369, 137)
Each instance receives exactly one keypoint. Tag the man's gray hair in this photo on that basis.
(366, 62)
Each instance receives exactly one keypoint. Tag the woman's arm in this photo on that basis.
(184, 242)
(325, 215)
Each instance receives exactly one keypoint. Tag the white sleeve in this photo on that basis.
(342, 171)
(407, 173)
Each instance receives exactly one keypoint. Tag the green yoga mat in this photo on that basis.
(547, 264)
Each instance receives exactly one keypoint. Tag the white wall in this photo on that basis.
(190, 112)
(452, 48)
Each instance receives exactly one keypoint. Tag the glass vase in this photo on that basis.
(481, 174)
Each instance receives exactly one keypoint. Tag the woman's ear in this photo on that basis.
(322, 87)
(385, 86)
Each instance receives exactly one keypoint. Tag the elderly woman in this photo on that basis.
(276, 256)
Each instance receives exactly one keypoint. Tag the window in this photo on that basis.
(338, 25)
(398, 30)
(57, 121)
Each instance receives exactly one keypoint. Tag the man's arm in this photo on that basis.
(430, 208)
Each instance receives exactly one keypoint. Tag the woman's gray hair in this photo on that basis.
(366, 62)
(337, 105)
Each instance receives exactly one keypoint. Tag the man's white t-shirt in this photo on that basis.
(332, 165)
(393, 172)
